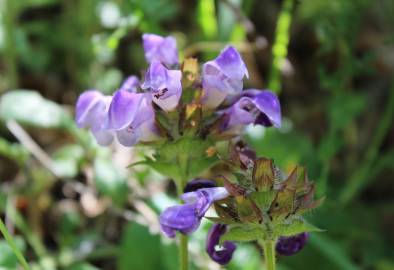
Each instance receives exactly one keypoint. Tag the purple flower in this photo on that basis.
(253, 107)
(164, 85)
(224, 253)
(91, 111)
(288, 246)
(186, 218)
(160, 48)
(130, 84)
(222, 77)
(132, 118)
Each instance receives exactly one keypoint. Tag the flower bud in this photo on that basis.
(287, 246)
(224, 253)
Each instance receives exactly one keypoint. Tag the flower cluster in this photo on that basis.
(182, 113)
(257, 204)
(211, 104)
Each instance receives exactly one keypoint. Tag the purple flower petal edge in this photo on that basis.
(164, 85)
(186, 218)
(91, 112)
(163, 49)
(130, 84)
(222, 77)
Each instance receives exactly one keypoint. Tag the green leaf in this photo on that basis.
(248, 210)
(30, 108)
(13, 151)
(333, 251)
(67, 160)
(139, 249)
(168, 253)
(83, 266)
(110, 181)
(222, 220)
(263, 199)
(197, 167)
(226, 19)
(296, 226)
(244, 233)
(207, 18)
(7, 257)
(165, 168)
(185, 157)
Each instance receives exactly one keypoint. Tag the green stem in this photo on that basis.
(13, 246)
(360, 177)
(269, 254)
(183, 253)
(183, 241)
(279, 49)
(32, 238)
(9, 34)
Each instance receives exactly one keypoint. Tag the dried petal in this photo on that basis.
(263, 174)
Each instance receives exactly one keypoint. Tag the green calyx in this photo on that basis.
(265, 205)
(182, 159)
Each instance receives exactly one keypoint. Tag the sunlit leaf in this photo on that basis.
(110, 180)
(243, 234)
(30, 108)
(294, 227)
(66, 160)
(139, 249)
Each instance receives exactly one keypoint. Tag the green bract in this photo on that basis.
(265, 205)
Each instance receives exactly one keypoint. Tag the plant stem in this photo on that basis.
(269, 254)
(183, 252)
(360, 177)
(183, 241)
(9, 9)
(279, 49)
(13, 246)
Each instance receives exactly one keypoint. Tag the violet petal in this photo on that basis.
(186, 218)
(164, 85)
(257, 107)
(123, 109)
(130, 84)
(163, 49)
(268, 104)
(224, 255)
(204, 198)
(231, 63)
(222, 77)
(287, 246)
(179, 218)
(91, 112)
(87, 104)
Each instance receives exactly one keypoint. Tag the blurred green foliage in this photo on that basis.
(81, 210)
